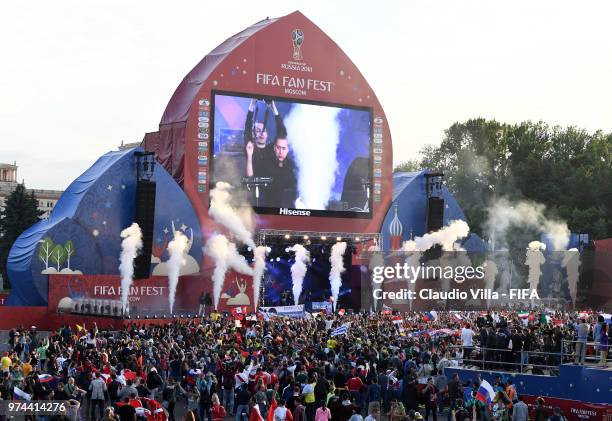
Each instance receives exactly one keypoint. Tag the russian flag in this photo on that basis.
(485, 393)
(45, 378)
(21, 394)
(430, 316)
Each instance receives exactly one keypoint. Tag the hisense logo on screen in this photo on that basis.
(292, 212)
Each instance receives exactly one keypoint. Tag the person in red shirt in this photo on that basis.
(355, 386)
(218, 411)
(254, 414)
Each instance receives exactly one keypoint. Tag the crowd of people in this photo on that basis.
(377, 366)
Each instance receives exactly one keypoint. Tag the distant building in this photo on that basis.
(131, 145)
(8, 183)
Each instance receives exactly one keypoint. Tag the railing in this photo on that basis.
(521, 361)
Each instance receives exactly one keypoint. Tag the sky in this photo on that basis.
(79, 77)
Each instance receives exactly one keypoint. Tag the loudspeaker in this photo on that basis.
(435, 214)
(145, 218)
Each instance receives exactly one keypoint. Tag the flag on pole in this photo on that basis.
(456, 315)
(21, 394)
(545, 318)
(430, 316)
(340, 330)
(485, 393)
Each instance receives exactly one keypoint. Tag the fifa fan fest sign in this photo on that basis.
(147, 295)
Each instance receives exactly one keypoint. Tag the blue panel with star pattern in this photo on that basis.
(86, 223)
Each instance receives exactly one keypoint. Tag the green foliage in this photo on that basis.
(566, 169)
(20, 212)
(410, 165)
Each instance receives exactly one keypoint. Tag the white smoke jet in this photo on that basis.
(446, 237)
(313, 135)
(337, 268)
(238, 222)
(130, 246)
(503, 214)
(259, 255)
(413, 260)
(571, 263)
(534, 260)
(490, 273)
(177, 249)
(376, 260)
(225, 256)
(298, 270)
(559, 234)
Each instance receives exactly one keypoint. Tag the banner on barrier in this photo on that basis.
(287, 311)
(322, 306)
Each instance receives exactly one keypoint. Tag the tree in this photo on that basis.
(69, 248)
(45, 249)
(20, 212)
(411, 165)
(58, 256)
(566, 169)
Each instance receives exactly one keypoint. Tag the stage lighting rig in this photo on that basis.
(434, 181)
(145, 165)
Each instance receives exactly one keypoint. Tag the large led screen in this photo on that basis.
(294, 158)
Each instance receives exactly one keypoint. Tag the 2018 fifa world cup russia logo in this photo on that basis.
(297, 36)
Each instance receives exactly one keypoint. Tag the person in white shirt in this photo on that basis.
(281, 413)
(467, 339)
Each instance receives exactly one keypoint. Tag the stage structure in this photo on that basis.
(281, 113)
(322, 154)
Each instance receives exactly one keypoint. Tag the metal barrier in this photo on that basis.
(506, 359)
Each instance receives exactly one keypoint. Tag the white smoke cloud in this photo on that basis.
(298, 270)
(259, 255)
(238, 222)
(536, 246)
(490, 273)
(130, 246)
(313, 135)
(337, 268)
(503, 214)
(534, 259)
(571, 263)
(225, 255)
(446, 237)
(376, 260)
(177, 249)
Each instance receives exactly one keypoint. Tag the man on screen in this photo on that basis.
(270, 160)
(259, 154)
(282, 192)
